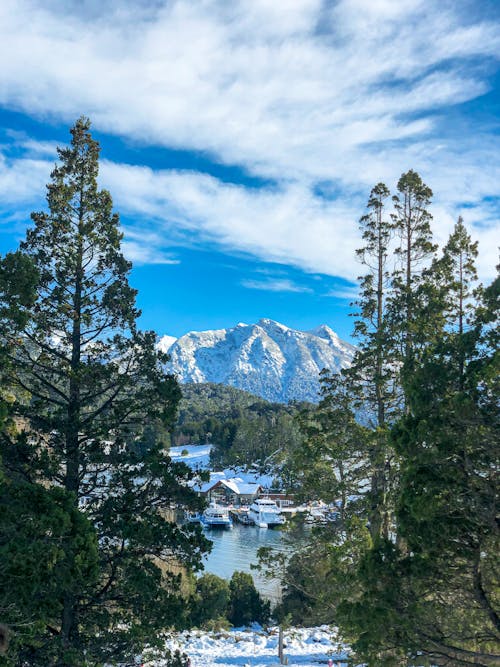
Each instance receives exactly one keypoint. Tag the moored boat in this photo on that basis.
(264, 513)
(216, 516)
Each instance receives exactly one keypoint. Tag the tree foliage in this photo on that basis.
(86, 380)
(245, 603)
(421, 585)
(209, 603)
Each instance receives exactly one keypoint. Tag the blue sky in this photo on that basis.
(240, 139)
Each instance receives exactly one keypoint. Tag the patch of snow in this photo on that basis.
(258, 647)
(195, 456)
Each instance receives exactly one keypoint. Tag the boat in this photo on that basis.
(264, 513)
(216, 516)
(240, 515)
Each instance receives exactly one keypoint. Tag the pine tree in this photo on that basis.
(371, 363)
(455, 275)
(331, 463)
(89, 381)
(411, 221)
(245, 603)
(372, 372)
(18, 279)
(432, 596)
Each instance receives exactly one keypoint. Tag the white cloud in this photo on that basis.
(275, 285)
(354, 91)
(287, 225)
(348, 293)
(258, 84)
(22, 181)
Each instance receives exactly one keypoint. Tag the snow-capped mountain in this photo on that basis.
(267, 359)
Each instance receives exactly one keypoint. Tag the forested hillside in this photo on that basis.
(243, 428)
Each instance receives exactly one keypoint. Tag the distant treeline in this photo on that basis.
(242, 427)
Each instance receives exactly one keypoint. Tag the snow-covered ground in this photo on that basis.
(256, 647)
(197, 457)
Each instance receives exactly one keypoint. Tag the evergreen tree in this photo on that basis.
(432, 597)
(209, 603)
(371, 364)
(18, 280)
(331, 463)
(245, 602)
(35, 521)
(88, 382)
(373, 371)
(412, 227)
(455, 276)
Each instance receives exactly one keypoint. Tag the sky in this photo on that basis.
(240, 140)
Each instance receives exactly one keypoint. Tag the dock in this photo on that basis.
(240, 516)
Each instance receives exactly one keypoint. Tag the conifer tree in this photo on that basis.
(331, 463)
(455, 276)
(88, 382)
(35, 521)
(432, 596)
(371, 363)
(411, 221)
(372, 372)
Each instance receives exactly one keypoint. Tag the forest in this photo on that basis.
(243, 429)
(92, 566)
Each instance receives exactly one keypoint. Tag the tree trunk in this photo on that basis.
(72, 480)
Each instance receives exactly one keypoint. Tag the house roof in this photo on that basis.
(235, 485)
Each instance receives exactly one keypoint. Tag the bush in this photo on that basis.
(210, 602)
(245, 603)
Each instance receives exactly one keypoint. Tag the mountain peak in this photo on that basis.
(323, 331)
(267, 359)
(265, 322)
(165, 343)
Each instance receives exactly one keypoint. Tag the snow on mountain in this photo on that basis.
(165, 343)
(267, 359)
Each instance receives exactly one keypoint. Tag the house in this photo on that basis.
(232, 491)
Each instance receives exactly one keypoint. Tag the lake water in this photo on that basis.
(236, 549)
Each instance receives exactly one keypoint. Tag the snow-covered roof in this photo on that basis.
(235, 485)
(247, 488)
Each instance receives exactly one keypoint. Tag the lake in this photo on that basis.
(236, 549)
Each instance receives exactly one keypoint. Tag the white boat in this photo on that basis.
(216, 516)
(264, 513)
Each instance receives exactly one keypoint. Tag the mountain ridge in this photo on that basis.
(267, 358)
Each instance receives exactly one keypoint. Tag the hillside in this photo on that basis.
(242, 427)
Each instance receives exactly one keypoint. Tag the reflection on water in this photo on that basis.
(236, 549)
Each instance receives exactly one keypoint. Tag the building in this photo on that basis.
(232, 491)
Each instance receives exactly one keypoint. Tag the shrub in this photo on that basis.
(245, 603)
(210, 601)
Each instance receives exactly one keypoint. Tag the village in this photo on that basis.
(247, 497)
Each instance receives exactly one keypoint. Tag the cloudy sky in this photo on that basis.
(240, 138)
